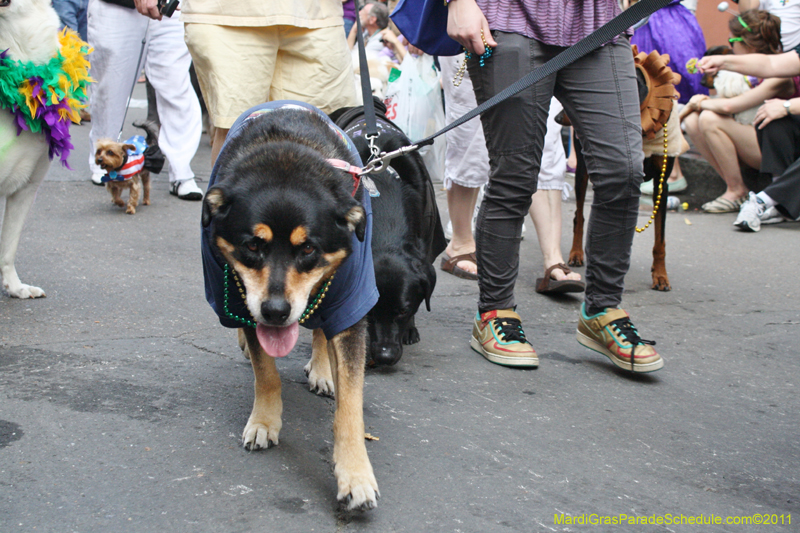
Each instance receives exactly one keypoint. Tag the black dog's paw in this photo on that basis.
(411, 336)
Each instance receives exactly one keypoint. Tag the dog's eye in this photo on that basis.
(307, 249)
(252, 246)
(109, 152)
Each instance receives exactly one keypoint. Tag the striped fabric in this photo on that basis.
(553, 22)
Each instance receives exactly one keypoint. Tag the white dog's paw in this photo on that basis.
(23, 291)
(319, 381)
(357, 491)
(259, 436)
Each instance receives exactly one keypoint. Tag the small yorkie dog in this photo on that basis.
(124, 166)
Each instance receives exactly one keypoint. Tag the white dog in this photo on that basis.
(29, 31)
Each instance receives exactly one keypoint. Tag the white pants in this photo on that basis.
(116, 34)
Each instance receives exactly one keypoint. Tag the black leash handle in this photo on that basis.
(371, 130)
(591, 42)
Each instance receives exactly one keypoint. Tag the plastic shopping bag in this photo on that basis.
(414, 103)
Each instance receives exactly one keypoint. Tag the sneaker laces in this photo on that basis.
(625, 328)
(510, 329)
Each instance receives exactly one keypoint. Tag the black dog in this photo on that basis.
(407, 236)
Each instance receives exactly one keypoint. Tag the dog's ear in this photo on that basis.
(357, 221)
(213, 203)
(128, 146)
(428, 283)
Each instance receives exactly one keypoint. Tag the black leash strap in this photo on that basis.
(371, 130)
(602, 35)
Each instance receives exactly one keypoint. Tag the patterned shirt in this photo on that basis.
(553, 22)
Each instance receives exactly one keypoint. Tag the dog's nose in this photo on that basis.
(385, 354)
(276, 310)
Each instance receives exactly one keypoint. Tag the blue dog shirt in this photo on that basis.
(351, 294)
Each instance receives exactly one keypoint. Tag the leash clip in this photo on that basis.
(373, 148)
(380, 162)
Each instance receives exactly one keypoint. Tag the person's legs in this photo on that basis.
(226, 92)
(466, 167)
(514, 131)
(600, 94)
(67, 13)
(314, 66)
(460, 205)
(545, 207)
(116, 35)
(546, 215)
(167, 69)
(727, 142)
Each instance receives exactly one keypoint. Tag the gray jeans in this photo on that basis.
(600, 95)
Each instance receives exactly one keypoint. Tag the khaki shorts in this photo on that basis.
(240, 67)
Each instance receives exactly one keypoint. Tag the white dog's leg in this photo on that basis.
(17, 207)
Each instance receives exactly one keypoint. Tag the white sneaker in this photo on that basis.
(772, 216)
(751, 213)
(186, 190)
(97, 176)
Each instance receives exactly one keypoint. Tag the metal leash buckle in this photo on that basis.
(378, 163)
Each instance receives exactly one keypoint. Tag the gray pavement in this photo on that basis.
(122, 400)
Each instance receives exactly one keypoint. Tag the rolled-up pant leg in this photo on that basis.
(599, 93)
(514, 132)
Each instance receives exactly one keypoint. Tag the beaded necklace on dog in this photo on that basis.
(231, 278)
(46, 98)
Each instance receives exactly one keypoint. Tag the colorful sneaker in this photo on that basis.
(612, 334)
(497, 335)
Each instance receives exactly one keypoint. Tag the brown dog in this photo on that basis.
(657, 93)
(114, 158)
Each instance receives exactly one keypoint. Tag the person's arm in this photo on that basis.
(775, 109)
(764, 91)
(391, 41)
(465, 21)
(148, 8)
(351, 39)
(760, 65)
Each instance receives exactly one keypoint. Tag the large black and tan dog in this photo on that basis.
(279, 218)
(407, 235)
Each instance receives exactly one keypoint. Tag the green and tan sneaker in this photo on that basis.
(612, 334)
(497, 335)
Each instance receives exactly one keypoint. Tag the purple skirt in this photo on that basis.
(674, 30)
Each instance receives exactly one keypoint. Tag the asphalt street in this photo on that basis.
(122, 399)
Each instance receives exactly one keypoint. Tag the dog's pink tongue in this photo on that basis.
(277, 341)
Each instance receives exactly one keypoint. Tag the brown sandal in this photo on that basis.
(548, 285)
(449, 265)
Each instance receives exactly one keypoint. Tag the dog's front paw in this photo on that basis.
(260, 435)
(661, 282)
(575, 258)
(23, 291)
(320, 380)
(131, 210)
(357, 490)
(411, 336)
